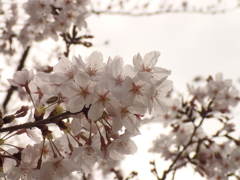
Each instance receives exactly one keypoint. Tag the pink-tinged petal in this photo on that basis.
(139, 109)
(69, 166)
(113, 108)
(99, 89)
(76, 60)
(88, 100)
(33, 135)
(117, 124)
(128, 71)
(19, 78)
(127, 84)
(128, 98)
(117, 91)
(75, 104)
(65, 62)
(51, 89)
(148, 90)
(117, 65)
(62, 64)
(54, 35)
(82, 79)
(80, 64)
(143, 76)
(160, 107)
(160, 73)
(13, 83)
(31, 75)
(219, 77)
(150, 59)
(131, 147)
(70, 89)
(166, 86)
(25, 73)
(137, 62)
(115, 155)
(233, 92)
(95, 111)
(95, 59)
(41, 78)
(76, 125)
(131, 123)
(58, 78)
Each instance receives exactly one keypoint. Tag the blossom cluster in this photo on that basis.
(49, 17)
(97, 106)
(45, 18)
(7, 33)
(214, 154)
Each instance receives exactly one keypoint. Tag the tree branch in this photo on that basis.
(34, 124)
(13, 88)
(172, 11)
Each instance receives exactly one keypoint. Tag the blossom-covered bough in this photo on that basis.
(215, 154)
(97, 108)
(84, 113)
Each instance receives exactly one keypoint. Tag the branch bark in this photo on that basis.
(34, 124)
(12, 88)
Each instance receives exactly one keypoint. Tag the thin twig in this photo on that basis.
(130, 13)
(204, 113)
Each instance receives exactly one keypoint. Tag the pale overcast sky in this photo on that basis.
(190, 44)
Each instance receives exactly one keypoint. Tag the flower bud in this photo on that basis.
(58, 110)
(52, 100)
(8, 119)
(1, 141)
(1, 122)
(21, 112)
(62, 125)
(39, 113)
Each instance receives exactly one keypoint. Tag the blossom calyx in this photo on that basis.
(8, 119)
(39, 113)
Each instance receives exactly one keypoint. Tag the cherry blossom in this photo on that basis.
(104, 104)
(21, 78)
(94, 65)
(103, 99)
(64, 71)
(80, 93)
(86, 157)
(122, 145)
(57, 168)
(147, 64)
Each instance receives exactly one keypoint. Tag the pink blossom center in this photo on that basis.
(125, 112)
(146, 68)
(136, 89)
(57, 167)
(121, 145)
(89, 153)
(83, 91)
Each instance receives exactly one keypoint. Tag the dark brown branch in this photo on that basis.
(34, 124)
(12, 88)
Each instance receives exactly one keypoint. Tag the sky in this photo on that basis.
(190, 45)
